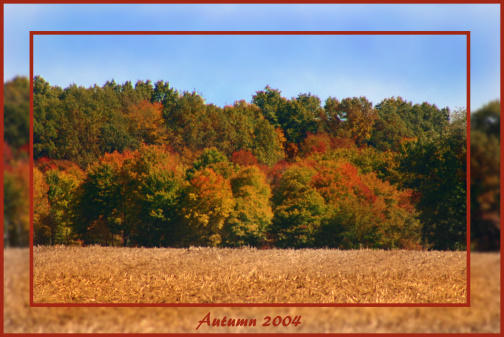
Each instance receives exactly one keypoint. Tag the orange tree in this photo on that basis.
(16, 200)
(365, 211)
(330, 203)
(207, 202)
(146, 122)
(244, 158)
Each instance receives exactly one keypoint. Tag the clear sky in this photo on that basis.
(224, 69)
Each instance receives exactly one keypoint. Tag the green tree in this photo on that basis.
(312, 104)
(320, 202)
(107, 198)
(144, 90)
(67, 122)
(128, 95)
(331, 121)
(187, 123)
(298, 209)
(399, 120)
(487, 119)
(62, 186)
(485, 177)
(159, 179)
(243, 127)
(269, 101)
(81, 124)
(391, 127)
(268, 142)
(16, 111)
(135, 195)
(296, 121)
(47, 115)
(435, 167)
(164, 94)
(115, 132)
(214, 159)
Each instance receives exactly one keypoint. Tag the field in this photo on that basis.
(212, 275)
(482, 316)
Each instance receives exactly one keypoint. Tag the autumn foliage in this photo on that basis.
(207, 202)
(329, 203)
(147, 165)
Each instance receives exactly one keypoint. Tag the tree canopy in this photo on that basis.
(147, 165)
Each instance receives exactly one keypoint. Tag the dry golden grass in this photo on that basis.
(482, 316)
(213, 275)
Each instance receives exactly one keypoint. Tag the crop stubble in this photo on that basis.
(211, 275)
(482, 316)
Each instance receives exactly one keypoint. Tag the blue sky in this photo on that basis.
(227, 68)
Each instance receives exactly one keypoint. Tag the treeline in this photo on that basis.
(81, 124)
(485, 163)
(147, 165)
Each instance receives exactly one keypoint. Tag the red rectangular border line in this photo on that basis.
(249, 305)
(31, 168)
(500, 178)
(204, 2)
(2, 162)
(468, 167)
(250, 32)
(466, 33)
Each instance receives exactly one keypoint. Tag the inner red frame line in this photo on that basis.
(468, 39)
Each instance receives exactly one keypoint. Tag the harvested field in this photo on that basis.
(212, 275)
(482, 317)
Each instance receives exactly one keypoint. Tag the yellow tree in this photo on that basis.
(61, 195)
(40, 208)
(146, 122)
(352, 117)
(207, 203)
(252, 214)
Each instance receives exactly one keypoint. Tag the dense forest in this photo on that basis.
(148, 165)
